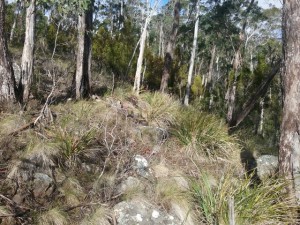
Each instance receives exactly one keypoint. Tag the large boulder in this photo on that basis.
(267, 166)
(141, 212)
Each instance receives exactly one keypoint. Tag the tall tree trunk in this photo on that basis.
(12, 31)
(27, 56)
(161, 36)
(289, 153)
(138, 73)
(192, 60)
(7, 80)
(210, 74)
(262, 117)
(170, 49)
(84, 53)
(237, 61)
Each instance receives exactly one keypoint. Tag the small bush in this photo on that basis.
(204, 133)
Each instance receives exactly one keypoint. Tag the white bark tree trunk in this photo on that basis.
(7, 81)
(27, 56)
(137, 80)
(192, 60)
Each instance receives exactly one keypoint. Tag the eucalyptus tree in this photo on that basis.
(193, 55)
(7, 80)
(168, 58)
(84, 50)
(138, 74)
(289, 153)
(27, 61)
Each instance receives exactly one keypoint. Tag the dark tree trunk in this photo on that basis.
(84, 53)
(27, 56)
(260, 92)
(289, 153)
(7, 81)
(170, 49)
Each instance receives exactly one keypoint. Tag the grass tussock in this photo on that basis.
(167, 192)
(265, 203)
(98, 217)
(72, 192)
(158, 109)
(205, 134)
(53, 216)
(10, 123)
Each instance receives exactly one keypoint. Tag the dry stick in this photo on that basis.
(82, 205)
(231, 210)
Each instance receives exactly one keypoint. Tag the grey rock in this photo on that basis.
(141, 212)
(43, 185)
(155, 135)
(267, 165)
(141, 166)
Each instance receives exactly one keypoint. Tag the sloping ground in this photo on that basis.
(128, 160)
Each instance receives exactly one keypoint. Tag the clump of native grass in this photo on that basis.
(38, 153)
(10, 123)
(72, 192)
(167, 191)
(158, 109)
(6, 216)
(205, 134)
(266, 203)
(54, 216)
(99, 217)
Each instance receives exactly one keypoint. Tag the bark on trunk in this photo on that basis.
(84, 54)
(7, 81)
(137, 80)
(27, 56)
(289, 153)
(170, 49)
(192, 60)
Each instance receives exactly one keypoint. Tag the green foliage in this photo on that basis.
(113, 53)
(72, 143)
(197, 87)
(204, 134)
(154, 70)
(266, 203)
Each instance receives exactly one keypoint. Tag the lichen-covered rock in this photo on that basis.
(141, 212)
(267, 165)
(141, 166)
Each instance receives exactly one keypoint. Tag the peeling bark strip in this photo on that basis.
(27, 56)
(289, 153)
(170, 49)
(7, 81)
(84, 53)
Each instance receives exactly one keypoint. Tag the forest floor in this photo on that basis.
(77, 162)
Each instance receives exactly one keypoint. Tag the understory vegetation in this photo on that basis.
(89, 147)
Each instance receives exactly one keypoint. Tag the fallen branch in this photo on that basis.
(45, 113)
